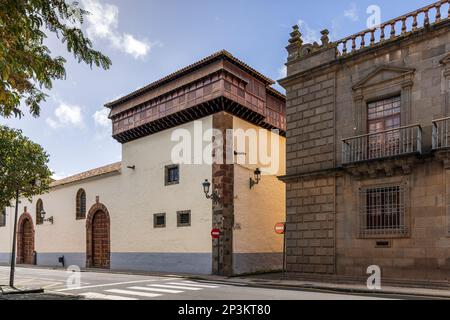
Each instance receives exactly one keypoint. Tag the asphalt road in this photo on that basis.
(110, 286)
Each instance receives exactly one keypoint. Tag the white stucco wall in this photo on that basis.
(132, 197)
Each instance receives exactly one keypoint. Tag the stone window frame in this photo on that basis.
(385, 182)
(155, 219)
(179, 213)
(39, 208)
(445, 62)
(3, 215)
(79, 215)
(166, 175)
(363, 94)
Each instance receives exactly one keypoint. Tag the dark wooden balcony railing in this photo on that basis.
(441, 133)
(392, 29)
(383, 144)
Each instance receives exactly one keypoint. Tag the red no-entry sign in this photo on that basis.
(215, 233)
(280, 228)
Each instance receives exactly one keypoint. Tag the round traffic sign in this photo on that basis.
(215, 233)
(280, 228)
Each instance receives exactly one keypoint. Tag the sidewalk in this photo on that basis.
(276, 280)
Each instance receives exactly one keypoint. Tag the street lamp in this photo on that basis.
(42, 214)
(257, 174)
(214, 195)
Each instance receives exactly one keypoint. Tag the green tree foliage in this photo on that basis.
(26, 66)
(23, 167)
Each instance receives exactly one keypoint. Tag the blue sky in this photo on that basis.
(147, 39)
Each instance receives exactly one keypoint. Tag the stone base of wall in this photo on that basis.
(256, 262)
(70, 259)
(196, 263)
(5, 257)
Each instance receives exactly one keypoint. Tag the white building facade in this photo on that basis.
(149, 212)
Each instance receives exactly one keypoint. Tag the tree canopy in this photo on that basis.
(26, 64)
(23, 167)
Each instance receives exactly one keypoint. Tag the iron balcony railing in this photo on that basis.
(383, 144)
(441, 133)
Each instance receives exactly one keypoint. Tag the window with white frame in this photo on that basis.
(383, 210)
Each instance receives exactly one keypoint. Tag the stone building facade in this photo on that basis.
(368, 180)
(149, 211)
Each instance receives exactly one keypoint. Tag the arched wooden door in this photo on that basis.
(25, 240)
(98, 238)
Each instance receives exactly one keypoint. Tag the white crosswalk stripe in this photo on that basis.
(193, 284)
(174, 287)
(155, 290)
(149, 290)
(134, 293)
(95, 295)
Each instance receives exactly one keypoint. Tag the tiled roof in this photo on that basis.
(115, 167)
(276, 93)
(190, 68)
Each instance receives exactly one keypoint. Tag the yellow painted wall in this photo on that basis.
(259, 209)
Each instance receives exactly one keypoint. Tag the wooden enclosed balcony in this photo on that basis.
(384, 144)
(217, 83)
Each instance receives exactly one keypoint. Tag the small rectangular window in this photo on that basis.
(184, 218)
(3, 218)
(383, 211)
(159, 220)
(172, 175)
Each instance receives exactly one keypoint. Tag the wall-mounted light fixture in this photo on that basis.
(43, 213)
(214, 196)
(257, 174)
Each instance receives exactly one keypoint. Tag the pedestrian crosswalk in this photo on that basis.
(149, 291)
(175, 287)
(156, 290)
(99, 296)
(134, 293)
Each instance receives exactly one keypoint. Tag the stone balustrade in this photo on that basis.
(398, 27)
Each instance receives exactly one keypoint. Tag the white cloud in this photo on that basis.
(66, 115)
(135, 47)
(282, 72)
(103, 124)
(59, 176)
(103, 22)
(309, 35)
(352, 12)
(101, 118)
(52, 123)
